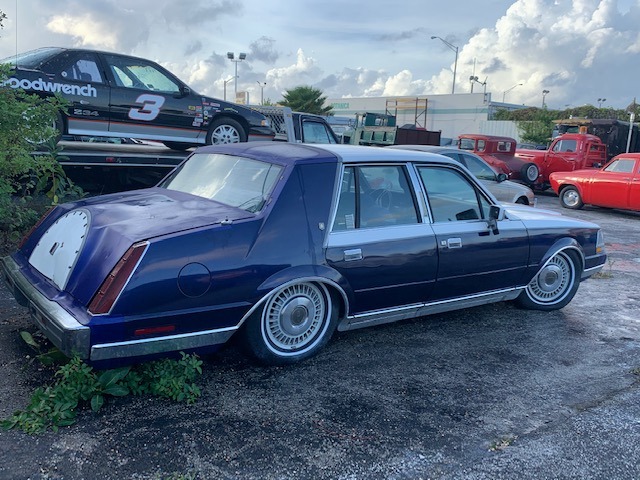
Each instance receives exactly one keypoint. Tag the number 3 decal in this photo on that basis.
(150, 109)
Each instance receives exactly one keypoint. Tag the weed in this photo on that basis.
(501, 444)
(78, 384)
(602, 274)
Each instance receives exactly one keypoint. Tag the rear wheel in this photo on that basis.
(54, 132)
(296, 321)
(571, 198)
(554, 285)
(522, 201)
(530, 172)
(225, 130)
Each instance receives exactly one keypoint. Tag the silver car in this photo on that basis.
(504, 190)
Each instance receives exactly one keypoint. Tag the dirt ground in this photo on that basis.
(492, 392)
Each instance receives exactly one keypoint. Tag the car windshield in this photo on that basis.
(236, 181)
(33, 58)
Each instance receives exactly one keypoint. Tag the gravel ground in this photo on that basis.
(492, 392)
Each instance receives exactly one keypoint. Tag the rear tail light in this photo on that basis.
(38, 223)
(110, 289)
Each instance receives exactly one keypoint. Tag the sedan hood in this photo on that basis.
(83, 241)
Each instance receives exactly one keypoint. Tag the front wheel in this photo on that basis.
(225, 130)
(570, 198)
(554, 285)
(296, 321)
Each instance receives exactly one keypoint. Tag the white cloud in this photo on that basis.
(85, 31)
(580, 50)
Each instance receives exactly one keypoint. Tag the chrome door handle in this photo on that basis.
(352, 254)
(454, 243)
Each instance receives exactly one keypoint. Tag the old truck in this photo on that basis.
(614, 133)
(297, 127)
(380, 130)
(568, 152)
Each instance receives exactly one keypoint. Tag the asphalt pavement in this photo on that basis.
(492, 392)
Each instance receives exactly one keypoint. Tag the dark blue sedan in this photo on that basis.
(283, 243)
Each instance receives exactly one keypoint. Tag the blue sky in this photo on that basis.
(579, 50)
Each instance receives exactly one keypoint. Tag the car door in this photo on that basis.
(149, 102)
(315, 131)
(634, 189)
(562, 156)
(472, 258)
(611, 186)
(84, 86)
(378, 241)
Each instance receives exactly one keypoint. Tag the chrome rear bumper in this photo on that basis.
(66, 333)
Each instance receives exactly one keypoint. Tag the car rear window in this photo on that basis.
(235, 181)
(33, 58)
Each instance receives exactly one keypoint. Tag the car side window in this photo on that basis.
(136, 73)
(82, 67)
(316, 132)
(565, 146)
(621, 165)
(451, 196)
(479, 169)
(375, 196)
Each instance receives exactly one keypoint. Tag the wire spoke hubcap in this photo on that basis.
(553, 282)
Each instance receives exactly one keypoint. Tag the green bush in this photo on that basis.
(28, 183)
(79, 385)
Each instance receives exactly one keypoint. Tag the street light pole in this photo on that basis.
(262, 85)
(544, 94)
(601, 101)
(231, 56)
(225, 87)
(455, 65)
(504, 94)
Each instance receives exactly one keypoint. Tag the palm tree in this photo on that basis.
(306, 99)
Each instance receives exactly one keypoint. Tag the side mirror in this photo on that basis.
(496, 213)
(183, 92)
(502, 177)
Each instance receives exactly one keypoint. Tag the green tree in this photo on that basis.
(306, 99)
(23, 176)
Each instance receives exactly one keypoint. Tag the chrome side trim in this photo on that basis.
(170, 343)
(66, 333)
(395, 314)
(588, 272)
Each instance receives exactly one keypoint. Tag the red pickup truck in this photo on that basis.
(568, 152)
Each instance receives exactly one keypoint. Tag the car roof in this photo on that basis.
(57, 50)
(428, 148)
(297, 153)
(477, 136)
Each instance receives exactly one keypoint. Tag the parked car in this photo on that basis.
(112, 95)
(616, 185)
(281, 244)
(504, 190)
